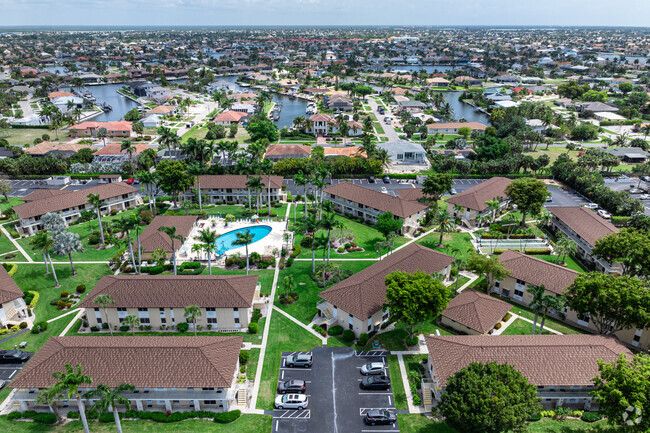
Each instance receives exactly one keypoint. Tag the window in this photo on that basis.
(163, 319)
(121, 314)
(236, 314)
(171, 313)
(211, 315)
(98, 316)
(369, 324)
(519, 293)
(583, 320)
(143, 313)
(350, 321)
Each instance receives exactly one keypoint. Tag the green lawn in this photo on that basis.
(412, 363)
(550, 322)
(8, 204)
(394, 339)
(223, 210)
(245, 424)
(284, 336)
(415, 423)
(522, 327)
(458, 245)
(305, 308)
(396, 381)
(22, 136)
(32, 277)
(265, 277)
(251, 366)
(570, 262)
(6, 245)
(378, 127)
(36, 341)
(364, 236)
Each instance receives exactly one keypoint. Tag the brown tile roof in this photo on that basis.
(116, 149)
(375, 199)
(151, 238)
(153, 362)
(71, 199)
(364, 293)
(475, 197)
(557, 360)
(287, 149)
(235, 181)
(475, 126)
(411, 194)
(585, 222)
(9, 290)
(344, 151)
(175, 291)
(229, 116)
(48, 146)
(40, 194)
(536, 271)
(476, 310)
(119, 125)
(162, 109)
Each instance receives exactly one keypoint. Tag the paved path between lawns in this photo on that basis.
(302, 325)
(14, 335)
(72, 322)
(407, 388)
(63, 315)
(32, 262)
(16, 244)
(516, 316)
(252, 406)
(472, 277)
(510, 321)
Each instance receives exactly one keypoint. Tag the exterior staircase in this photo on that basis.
(241, 397)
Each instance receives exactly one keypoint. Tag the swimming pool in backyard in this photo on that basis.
(225, 241)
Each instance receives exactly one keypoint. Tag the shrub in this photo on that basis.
(591, 416)
(320, 330)
(411, 341)
(28, 298)
(65, 294)
(340, 250)
(363, 339)
(183, 326)
(507, 317)
(497, 326)
(81, 288)
(22, 325)
(39, 327)
(348, 335)
(416, 400)
(11, 268)
(227, 417)
(14, 234)
(107, 417)
(254, 257)
(190, 265)
(253, 327)
(335, 330)
(35, 298)
(243, 357)
(60, 304)
(256, 315)
(14, 415)
(73, 415)
(306, 242)
(145, 216)
(113, 212)
(535, 417)
(93, 239)
(124, 328)
(94, 329)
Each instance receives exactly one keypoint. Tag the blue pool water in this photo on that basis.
(224, 242)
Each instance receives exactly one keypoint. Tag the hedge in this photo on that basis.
(227, 417)
(531, 251)
(162, 417)
(190, 265)
(37, 295)
(42, 418)
(591, 417)
(11, 268)
(620, 220)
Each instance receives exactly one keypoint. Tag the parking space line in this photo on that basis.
(12, 374)
(375, 393)
(364, 410)
(364, 431)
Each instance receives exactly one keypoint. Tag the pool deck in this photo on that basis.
(264, 246)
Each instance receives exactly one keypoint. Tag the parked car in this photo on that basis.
(549, 197)
(300, 360)
(379, 381)
(636, 190)
(379, 416)
(372, 368)
(388, 120)
(593, 206)
(2, 383)
(644, 196)
(381, 110)
(645, 178)
(603, 213)
(13, 356)
(384, 190)
(386, 179)
(291, 401)
(130, 180)
(453, 191)
(294, 386)
(371, 179)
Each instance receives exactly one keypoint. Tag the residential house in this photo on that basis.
(152, 239)
(356, 303)
(359, 202)
(110, 178)
(438, 82)
(349, 151)
(584, 227)
(469, 80)
(412, 106)
(229, 117)
(453, 127)
(324, 124)
(630, 155)
(473, 200)
(474, 313)
(49, 148)
(152, 121)
(13, 309)
(163, 110)
(404, 152)
(114, 154)
(141, 89)
(120, 128)
(560, 366)
(118, 196)
(278, 152)
(170, 374)
(338, 102)
(231, 188)
(159, 301)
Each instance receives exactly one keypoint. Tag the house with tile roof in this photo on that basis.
(152, 239)
(560, 366)
(474, 313)
(117, 195)
(453, 127)
(278, 152)
(120, 128)
(359, 202)
(584, 226)
(324, 124)
(114, 154)
(356, 303)
(170, 374)
(231, 188)
(229, 117)
(13, 309)
(473, 200)
(159, 301)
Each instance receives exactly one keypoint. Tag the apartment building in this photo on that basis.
(159, 301)
(172, 374)
(473, 200)
(356, 303)
(359, 202)
(152, 239)
(13, 310)
(474, 313)
(70, 204)
(231, 188)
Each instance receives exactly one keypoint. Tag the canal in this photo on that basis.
(108, 93)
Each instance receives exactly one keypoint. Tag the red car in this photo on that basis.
(130, 181)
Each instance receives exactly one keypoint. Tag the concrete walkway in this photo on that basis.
(302, 325)
(16, 244)
(72, 322)
(407, 388)
(512, 318)
(516, 316)
(63, 315)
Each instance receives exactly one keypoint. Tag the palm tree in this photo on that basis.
(108, 399)
(301, 180)
(563, 247)
(493, 205)
(328, 223)
(244, 238)
(104, 300)
(552, 303)
(148, 181)
(65, 244)
(125, 225)
(193, 312)
(132, 321)
(321, 242)
(310, 225)
(69, 382)
(195, 170)
(39, 243)
(537, 303)
(51, 396)
(382, 156)
(208, 238)
(44, 242)
(171, 232)
(254, 183)
(445, 223)
(129, 148)
(96, 203)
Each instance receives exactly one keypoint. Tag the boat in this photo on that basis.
(105, 107)
(311, 108)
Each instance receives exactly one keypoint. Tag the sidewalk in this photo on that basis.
(16, 244)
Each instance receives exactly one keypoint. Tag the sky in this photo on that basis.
(629, 13)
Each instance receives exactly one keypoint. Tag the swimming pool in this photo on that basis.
(224, 242)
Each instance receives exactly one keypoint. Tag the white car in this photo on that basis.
(593, 206)
(291, 401)
(644, 196)
(603, 213)
(373, 368)
(384, 190)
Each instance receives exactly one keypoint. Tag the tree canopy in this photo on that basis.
(630, 247)
(528, 194)
(435, 185)
(387, 224)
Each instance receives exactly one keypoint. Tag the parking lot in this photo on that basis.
(24, 187)
(337, 403)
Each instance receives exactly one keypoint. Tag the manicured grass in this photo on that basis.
(265, 277)
(6, 245)
(364, 236)
(415, 423)
(378, 127)
(245, 424)
(305, 308)
(32, 277)
(8, 204)
(251, 366)
(570, 262)
(284, 336)
(522, 327)
(550, 322)
(396, 382)
(22, 136)
(36, 341)
(458, 245)
(394, 339)
(223, 210)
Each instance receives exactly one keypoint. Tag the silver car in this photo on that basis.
(291, 401)
(372, 368)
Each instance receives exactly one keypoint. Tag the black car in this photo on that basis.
(381, 110)
(386, 179)
(371, 179)
(380, 381)
(379, 416)
(13, 356)
(294, 386)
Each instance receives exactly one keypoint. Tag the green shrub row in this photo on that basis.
(42, 418)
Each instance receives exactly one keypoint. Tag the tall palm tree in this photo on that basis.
(321, 242)
(132, 321)
(309, 224)
(104, 300)
(51, 396)
(267, 168)
(129, 148)
(563, 247)
(195, 170)
(493, 205)
(149, 181)
(301, 180)
(125, 225)
(108, 399)
(193, 312)
(244, 238)
(328, 222)
(445, 223)
(255, 183)
(208, 238)
(69, 383)
(552, 303)
(96, 203)
(39, 242)
(537, 303)
(171, 232)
